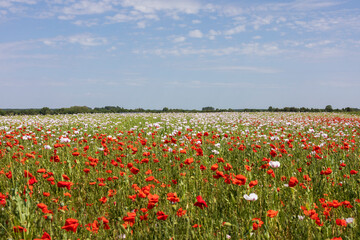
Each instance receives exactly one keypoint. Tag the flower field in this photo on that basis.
(180, 176)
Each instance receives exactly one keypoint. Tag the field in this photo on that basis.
(180, 176)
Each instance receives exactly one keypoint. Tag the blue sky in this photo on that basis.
(179, 54)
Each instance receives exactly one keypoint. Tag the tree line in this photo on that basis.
(117, 109)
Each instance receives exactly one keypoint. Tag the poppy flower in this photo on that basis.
(341, 222)
(161, 215)
(253, 183)
(129, 219)
(134, 170)
(19, 229)
(45, 236)
(180, 212)
(353, 172)
(272, 213)
(251, 197)
(32, 181)
(67, 185)
(274, 164)
(93, 227)
(71, 224)
(172, 197)
(200, 202)
(293, 182)
(239, 180)
(2, 199)
(257, 223)
(188, 161)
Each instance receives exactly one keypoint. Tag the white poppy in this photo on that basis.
(251, 197)
(274, 164)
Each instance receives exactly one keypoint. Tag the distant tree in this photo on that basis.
(208, 109)
(270, 109)
(328, 108)
(45, 111)
(165, 109)
(2, 113)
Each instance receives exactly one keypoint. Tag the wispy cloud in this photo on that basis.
(195, 34)
(152, 6)
(235, 30)
(179, 39)
(86, 7)
(244, 49)
(224, 84)
(83, 39)
(243, 68)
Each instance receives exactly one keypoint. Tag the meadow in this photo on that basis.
(180, 176)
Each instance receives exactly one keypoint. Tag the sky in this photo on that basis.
(184, 54)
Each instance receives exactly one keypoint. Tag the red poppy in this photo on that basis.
(214, 167)
(293, 182)
(273, 153)
(272, 213)
(341, 222)
(200, 202)
(161, 215)
(134, 170)
(129, 219)
(352, 172)
(180, 212)
(172, 197)
(257, 223)
(45, 236)
(71, 224)
(103, 200)
(65, 177)
(19, 229)
(32, 181)
(188, 161)
(153, 199)
(93, 227)
(253, 183)
(62, 184)
(240, 179)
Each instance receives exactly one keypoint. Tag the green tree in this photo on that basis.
(45, 111)
(208, 109)
(328, 108)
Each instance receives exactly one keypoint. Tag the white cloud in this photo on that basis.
(179, 39)
(319, 43)
(235, 30)
(261, 21)
(87, 23)
(245, 68)
(196, 21)
(141, 24)
(151, 6)
(312, 4)
(87, 40)
(245, 49)
(195, 34)
(66, 17)
(86, 7)
(82, 39)
(132, 16)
